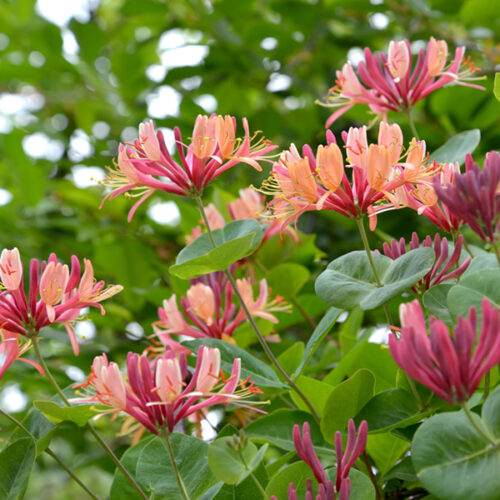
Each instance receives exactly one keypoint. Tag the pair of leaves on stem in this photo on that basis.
(349, 281)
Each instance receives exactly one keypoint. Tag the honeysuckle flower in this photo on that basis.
(379, 172)
(158, 393)
(56, 295)
(211, 309)
(451, 367)
(12, 347)
(327, 490)
(388, 82)
(474, 196)
(443, 269)
(147, 166)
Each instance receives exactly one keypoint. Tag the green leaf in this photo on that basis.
(385, 449)
(374, 357)
(491, 412)
(276, 429)
(496, 86)
(39, 426)
(317, 392)
(348, 331)
(388, 410)
(287, 279)
(232, 466)
(453, 460)
(121, 487)
(16, 463)
(260, 373)
(324, 326)
(344, 401)
(435, 300)
(472, 289)
(246, 490)
(234, 241)
(80, 414)
(457, 147)
(155, 471)
(349, 280)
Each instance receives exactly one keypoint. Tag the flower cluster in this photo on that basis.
(158, 393)
(146, 165)
(316, 182)
(56, 295)
(443, 269)
(210, 310)
(388, 82)
(345, 459)
(249, 205)
(474, 196)
(451, 367)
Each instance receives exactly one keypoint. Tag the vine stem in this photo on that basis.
(414, 131)
(497, 251)
(474, 424)
(180, 483)
(371, 475)
(366, 244)
(256, 329)
(49, 452)
(90, 427)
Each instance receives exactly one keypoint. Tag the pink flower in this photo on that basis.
(56, 295)
(13, 346)
(451, 367)
(380, 178)
(345, 459)
(443, 269)
(147, 166)
(210, 309)
(156, 393)
(388, 83)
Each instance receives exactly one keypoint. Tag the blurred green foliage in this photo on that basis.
(69, 93)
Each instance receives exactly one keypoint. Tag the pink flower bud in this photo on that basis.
(11, 269)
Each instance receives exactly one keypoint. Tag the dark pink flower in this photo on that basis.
(443, 269)
(56, 294)
(146, 165)
(388, 82)
(452, 367)
(355, 447)
(474, 196)
(210, 309)
(159, 393)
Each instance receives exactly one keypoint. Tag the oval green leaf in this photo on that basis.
(457, 147)
(349, 280)
(234, 241)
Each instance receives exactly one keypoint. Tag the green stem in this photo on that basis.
(497, 251)
(261, 488)
(252, 475)
(256, 329)
(474, 424)
(486, 385)
(180, 483)
(52, 454)
(413, 128)
(268, 351)
(302, 311)
(413, 388)
(366, 244)
(90, 427)
(371, 475)
(71, 473)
